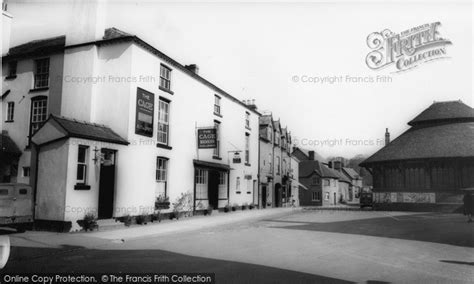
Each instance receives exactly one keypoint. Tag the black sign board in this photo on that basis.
(144, 113)
(207, 138)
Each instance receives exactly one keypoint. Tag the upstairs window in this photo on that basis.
(165, 77)
(82, 158)
(10, 111)
(217, 149)
(278, 165)
(42, 73)
(163, 122)
(247, 148)
(39, 113)
(247, 120)
(217, 105)
(12, 68)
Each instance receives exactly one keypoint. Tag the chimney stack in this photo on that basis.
(193, 68)
(311, 155)
(387, 137)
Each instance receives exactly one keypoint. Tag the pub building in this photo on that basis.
(427, 167)
(94, 139)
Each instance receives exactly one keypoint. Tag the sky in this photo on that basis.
(268, 50)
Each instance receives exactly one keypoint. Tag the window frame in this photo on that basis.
(41, 73)
(247, 148)
(247, 120)
(165, 122)
(84, 163)
(37, 124)
(165, 77)
(217, 151)
(217, 105)
(317, 194)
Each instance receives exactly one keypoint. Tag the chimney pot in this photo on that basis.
(193, 68)
(311, 155)
(387, 137)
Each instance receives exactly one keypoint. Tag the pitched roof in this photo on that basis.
(7, 146)
(37, 47)
(438, 141)
(305, 152)
(342, 177)
(265, 119)
(308, 167)
(86, 130)
(444, 111)
(350, 172)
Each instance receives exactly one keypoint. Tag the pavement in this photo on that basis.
(269, 246)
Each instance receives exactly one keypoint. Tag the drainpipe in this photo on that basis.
(259, 192)
(35, 182)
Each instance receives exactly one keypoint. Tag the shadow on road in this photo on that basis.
(79, 259)
(458, 262)
(431, 227)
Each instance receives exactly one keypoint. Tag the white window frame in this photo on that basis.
(161, 169)
(217, 104)
(83, 163)
(165, 77)
(163, 131)
(217, 151)
(247, 148)
(41, 73)
(315, 196)
(247, 119)
(39, 113)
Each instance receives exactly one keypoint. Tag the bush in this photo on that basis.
(127, 220)
(227, 208)
(142, 219)
(156, 216)
(89, 222)
(184, 203)
(234, 206)
(244, 206)
(251, 206)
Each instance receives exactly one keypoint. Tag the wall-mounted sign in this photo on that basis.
(144, 113)
(207, 138)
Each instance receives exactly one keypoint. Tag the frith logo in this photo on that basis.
(407, 49)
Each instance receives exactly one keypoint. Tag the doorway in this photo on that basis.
(335, 198)
(213, 189)
(107, 184)
(264, 196)
(277, 195)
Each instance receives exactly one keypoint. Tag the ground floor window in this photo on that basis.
(162, 175)
(316, 196)
(201, 184)
(26, 171)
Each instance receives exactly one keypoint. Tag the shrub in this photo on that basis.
(142, 219)
(244, 206)
(184, 203)
(251, 206)
(127, 220)
(227, 208)
(156, 216)
(89, 222)
(234, 206)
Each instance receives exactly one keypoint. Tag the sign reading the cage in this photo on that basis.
(207, 138)
(144, 113)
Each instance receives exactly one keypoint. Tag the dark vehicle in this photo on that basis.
(366, 198)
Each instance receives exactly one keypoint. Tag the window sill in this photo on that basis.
(158, 145)
(237, 192)
(248, 165)
(10, 77)
(39, 89)
(9, 121)
(81, 186)
(218, 114)
(166, 90)
(249, 192)
(217, 158)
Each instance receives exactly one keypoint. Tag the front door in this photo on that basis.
(213, 189)
(107, 184)
(264, 196)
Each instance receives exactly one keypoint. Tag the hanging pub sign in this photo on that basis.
(144, 113)
(207, 138)
(236, 159)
